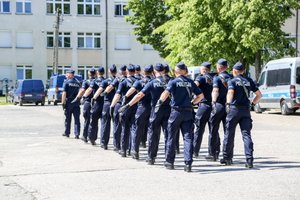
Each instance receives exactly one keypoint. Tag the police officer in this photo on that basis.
(167, 76)
(138, 74)
(158, 118)
(97, 106)
(238, 112)
(113, 111)
(105, 121)
(181, 90)
(204, 82)
(70, 90)
(127, 119)
(218, 113)
(143, 111)
(86, 103)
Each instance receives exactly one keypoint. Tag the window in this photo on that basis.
(63, 5)
(120, 9)
(284, 77)
(4, 6)
(64, 40)
(88, 7)
(148, 47)
(24, 40)
(23, 6)
(279, 77)
(89, 40)
(60, 70)
(262, 79)
(122, 42)
(5, 39)
(24, 72)
(83, 71)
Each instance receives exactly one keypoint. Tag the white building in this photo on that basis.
(27, 35)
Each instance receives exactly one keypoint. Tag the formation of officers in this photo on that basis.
(141, 104)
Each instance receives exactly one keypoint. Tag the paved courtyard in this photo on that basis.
(36, 162)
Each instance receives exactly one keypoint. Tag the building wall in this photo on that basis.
(41, 58)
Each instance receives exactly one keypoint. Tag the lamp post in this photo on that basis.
(106, 38)
(56, 41)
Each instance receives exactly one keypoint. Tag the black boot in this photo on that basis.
(188, 168)
(169, 165)
(226, 161)
(249, 163)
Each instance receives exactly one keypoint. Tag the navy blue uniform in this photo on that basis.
(138, 77)
(87, 108)
(220, 82)
(127, 119)
(105, 121)
(96, 110)
(239, 113)
(204, 110)
(71, 87)
(158, 120)
(142, 115)
(181, 117)
(116, 122)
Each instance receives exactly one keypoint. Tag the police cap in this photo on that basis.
(181, 66)
(70, 71)
(101, 69)
(206, 64)
(148, 68)
(131, 68)
(166, 67)
(113, 68)
(92, 70)
(123, 68)
(137, 68)
(238, 66)
(223, 62)
(159, 67)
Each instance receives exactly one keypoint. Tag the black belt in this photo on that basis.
(240, 107)
(182, 108)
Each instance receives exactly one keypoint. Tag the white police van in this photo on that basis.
(279, 84)
(193, 72)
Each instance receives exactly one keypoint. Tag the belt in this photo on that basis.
(206, 103)
(182, 108)
(240, 107)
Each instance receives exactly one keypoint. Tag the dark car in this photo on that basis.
(29, 91)
(56, 87)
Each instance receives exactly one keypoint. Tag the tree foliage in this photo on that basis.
(147, 16)
(200, 30)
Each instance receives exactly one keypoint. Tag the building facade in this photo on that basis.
(88, 37)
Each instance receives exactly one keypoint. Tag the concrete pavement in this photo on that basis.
(36, 162)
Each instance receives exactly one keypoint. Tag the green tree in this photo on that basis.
(147, 16)
(198, 30)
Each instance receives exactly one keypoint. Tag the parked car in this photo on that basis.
(279, 84)
(29, 91)
(55, 89)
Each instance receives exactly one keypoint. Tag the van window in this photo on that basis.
(298, 75)
(284, 77)
(279, 77)
(262, 79)
(298, 71)
(272, 78)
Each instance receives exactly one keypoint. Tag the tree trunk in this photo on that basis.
(258, 64)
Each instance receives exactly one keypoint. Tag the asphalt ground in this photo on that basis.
(36, 162)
